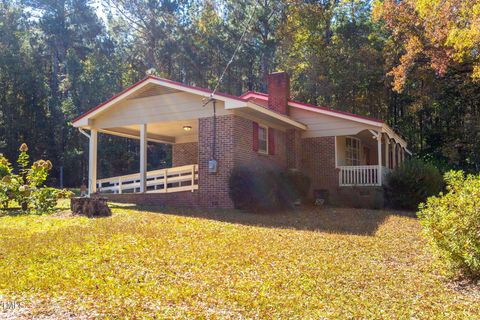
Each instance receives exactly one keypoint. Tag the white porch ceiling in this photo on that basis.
(166, 132)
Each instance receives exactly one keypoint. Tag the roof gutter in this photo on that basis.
(84, 133)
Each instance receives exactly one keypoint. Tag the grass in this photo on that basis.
(141, 263)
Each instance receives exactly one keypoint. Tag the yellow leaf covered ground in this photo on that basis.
(141, 263)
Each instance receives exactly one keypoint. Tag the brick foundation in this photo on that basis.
(318, 162)
(360, 197)
(176, 199)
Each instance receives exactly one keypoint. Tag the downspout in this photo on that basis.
(84, 133)
(214, 146)
(212, 163)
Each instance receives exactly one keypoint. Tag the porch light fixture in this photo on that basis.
(187, 128)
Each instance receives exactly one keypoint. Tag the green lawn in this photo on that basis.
(333, 263)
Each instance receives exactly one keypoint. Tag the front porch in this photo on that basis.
(175, 179)
(366, 158)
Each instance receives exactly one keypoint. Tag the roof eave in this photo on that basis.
(228, 99)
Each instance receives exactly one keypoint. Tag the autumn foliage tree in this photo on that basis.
(439, 34)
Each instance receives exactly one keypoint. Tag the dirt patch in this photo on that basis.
(467, 287)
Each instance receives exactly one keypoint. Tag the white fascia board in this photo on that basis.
(336, 114)
(392, 135)
(276, 115)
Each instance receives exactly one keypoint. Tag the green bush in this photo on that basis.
(297, 182)
(252, 190)
(451, 224)
(412, 183)
(260, 190)
(5, 167)
(27, 187)
(44, 200)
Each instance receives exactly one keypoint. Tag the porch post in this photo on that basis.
(394, 155)
(143, 158)
(379, 144)
(92, 162)
(387, 152)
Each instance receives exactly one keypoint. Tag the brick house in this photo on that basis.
(345, 155)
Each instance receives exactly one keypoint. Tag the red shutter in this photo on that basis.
(271, 141)
(255, 137)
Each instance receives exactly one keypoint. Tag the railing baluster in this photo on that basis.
(193, 177)
(166, 181)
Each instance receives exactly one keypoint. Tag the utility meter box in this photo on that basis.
(212, 166)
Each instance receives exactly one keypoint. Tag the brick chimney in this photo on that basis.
(278, 92)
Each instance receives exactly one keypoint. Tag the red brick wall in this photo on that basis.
(234, 148)
(293, 149)
(213, 188)
(184, 154)
(177, 199)
(318, 162)
(278, 92)
(244, 154)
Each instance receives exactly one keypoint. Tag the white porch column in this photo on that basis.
(387, 152)
(394, 155)
(92, 162)
(379, 144)
(143, 158)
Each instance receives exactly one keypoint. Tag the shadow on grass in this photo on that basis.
(363, 222)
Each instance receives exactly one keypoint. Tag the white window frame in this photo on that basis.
(261, 126)
(350, 160)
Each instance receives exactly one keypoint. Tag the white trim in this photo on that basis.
(92, 162)
(336, 114)
(379, 150)
(389, 131)
(336, 155)
(359, 141)
(255, 95)
(143, 158)
(165, 140)
(384, 127)
(272, 114)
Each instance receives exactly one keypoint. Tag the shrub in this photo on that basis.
(252, 189)
(5, 167)
(27, 187)
(298, 182)
(412, 183)
(45, 199)
(292, 186)
(6, 182)
(451, 224)
(266, 190)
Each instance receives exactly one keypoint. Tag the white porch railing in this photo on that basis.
(361, 176)
(184, 178)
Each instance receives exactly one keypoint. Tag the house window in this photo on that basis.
(262, 139)
(352, 151)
